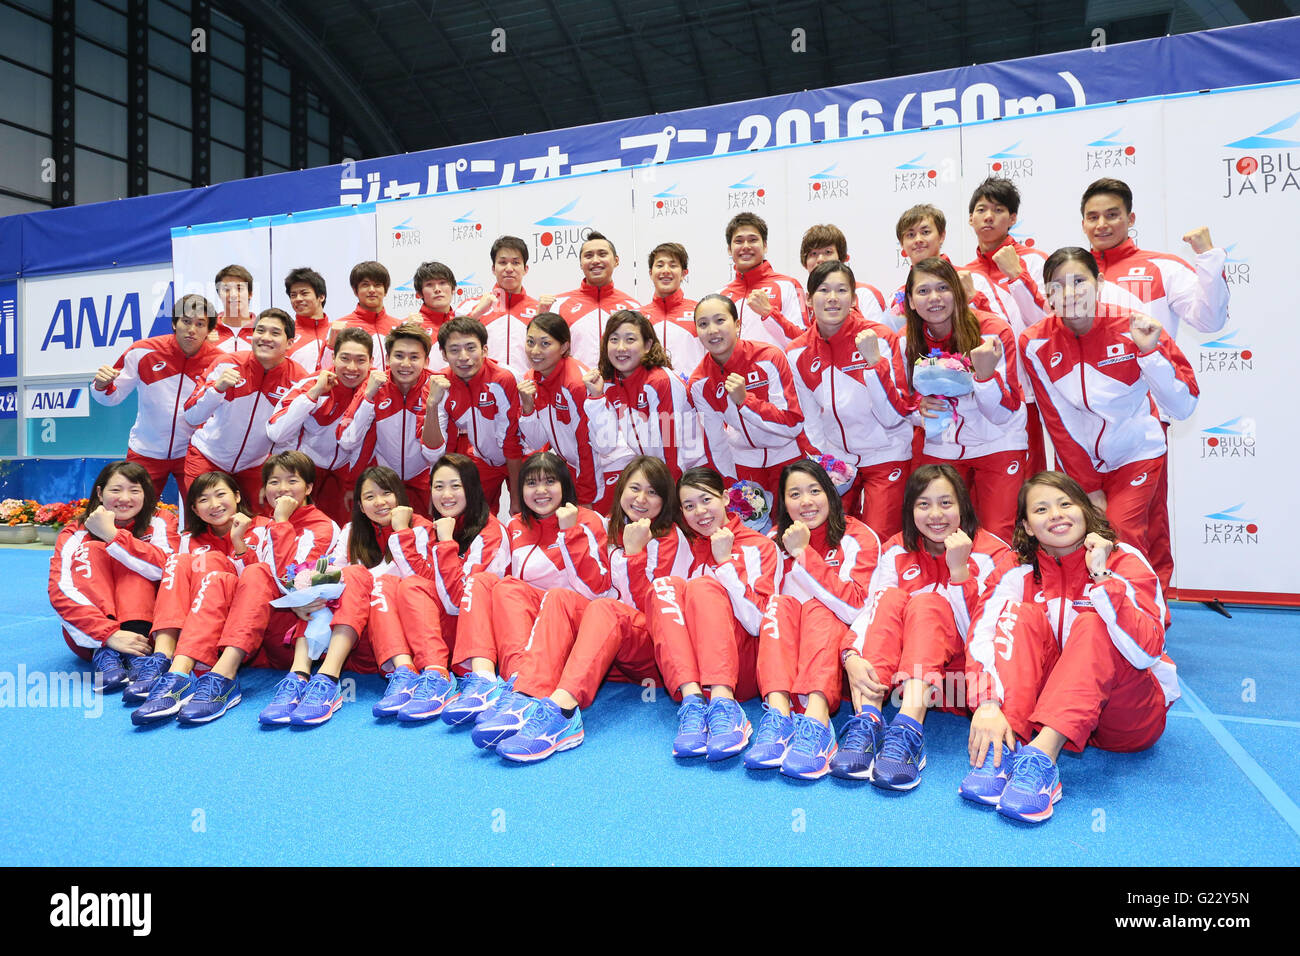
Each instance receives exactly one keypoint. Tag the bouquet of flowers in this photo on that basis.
(16, 511)
(841, 474)
(751, 504)
(942, 375)
(302, 584)
(59, 513)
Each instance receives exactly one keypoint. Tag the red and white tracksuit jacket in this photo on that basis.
(788, 318)
(232, 424)
(378, 324)
(1168, 288)
(311, 342)
(231, 340)
(418, 552)
(705, 626)
(480, 417)
(95, 585)
(645, 413)
(311, 426)
(386, 430)
(507, 327)
(1087, 660)
(431, 321)
(764, 432)
(822, 593)
(1097, 394)
(991, 418)
(559, 420)
(871, 303)
(197, 555)
(164, 377)
(673, 318)
(586, 309)
(1020, 302)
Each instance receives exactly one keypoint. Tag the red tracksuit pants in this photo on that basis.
(116, 592)
(160, 468)
(406, 617)
(769, 479)
(799, 650)
(1087, 691)
(914, 636)
(250, 479)
(1133, 503)
(499, 622)
(876, 497)
(698, 639)
(329, 494)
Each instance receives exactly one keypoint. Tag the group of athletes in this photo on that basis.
(556, 502)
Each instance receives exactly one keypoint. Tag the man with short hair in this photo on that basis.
(231, 407)
(234, 329)
(772, 306)
(826, 241)
(370, 283)
(164, 370)
(384, 423)
(435, 286)
(507, 309)
(588, 307)
(306, 291)
(669, 311)
(921, 231)
(478, 409)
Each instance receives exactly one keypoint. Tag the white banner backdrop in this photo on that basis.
(331, 241)
(1230, 161)
(199, 251)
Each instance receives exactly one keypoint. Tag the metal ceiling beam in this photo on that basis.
(465, 71)
(577, 58)
(695, 51)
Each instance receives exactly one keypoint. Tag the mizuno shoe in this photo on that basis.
(771, 741)
(504, 719)
(322, 696)
(477, 693)
(141, 675)
(166, 697)
(860, 741)
(112, 672)
(285, 700)
(901, 759)
(985, 784)
(429, 696)
(729, 729)
(401, 682)
(1033, 789)
(547, 731)
(213, 696)
(692, 738)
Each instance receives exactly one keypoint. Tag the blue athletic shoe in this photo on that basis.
(141, 675)
(860, 741)
(1033, 789)
(729, 729)
(692, 738)
(401, 683)
(112, 673)
(320, 698)
(771, 741)
(901, 759)
(288, 693)
(429, 696)
(504, 719)
(547, 731)
(213, 696)
(809, 757)
(168, 694)
(985, 784)
(477, 693)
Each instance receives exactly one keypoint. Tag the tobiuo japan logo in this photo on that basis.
(915, 174)
(561, 234)
(1270, 163)
(470, 287)
(1111, 151)
(466, 226)
(746, 193)
(404, 234)
(828, 184)
(1236, 267)
(668, 203)
(1010, 164)
(1229, 527)
(1234, 438)
(403, 297)
(1226, 354)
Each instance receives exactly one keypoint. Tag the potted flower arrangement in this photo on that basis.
(16, 521)
(51, 518)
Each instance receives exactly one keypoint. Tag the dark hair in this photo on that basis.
(462, 325)
(718, 296)
(1094, 521)
(917, 482)
(824, 269)
(918, 214)
(409, 330)
(661, 480)
(509, 242)
(1108, 187)
(654, 357)
(281, 316)
(550, 464)
(477, 513)
(999, 190)
(553, 324)
(432, 272)
(357, 336)
(209, 479)
(747, 219)
(965, 326)
(1069, 254)
(674, 249)
(595, 236)
(835, 523)
(192, 306)
(701, 476)
(236, 272)
(363, 544)
(374, 271)
(298, 462)
(133, 472)
(825, 234)
(309, 276)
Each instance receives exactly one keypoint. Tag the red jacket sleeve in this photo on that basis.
(72, 593)
(671, 557)
(1074, 459)
(843, 588)
(751, 576)
(584, 556)
(1132, 606)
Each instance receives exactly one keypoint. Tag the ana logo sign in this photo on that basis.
(1231, 439)
(1109, 152)
(915, 174)
(1228, 527)
(57, 402)
(827, 185)
(562, 237)
(1270, 163)
(746, 194)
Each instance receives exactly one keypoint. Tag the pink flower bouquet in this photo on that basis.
(751, 504)
(303, 584)
(942, 375)
(841, 474)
